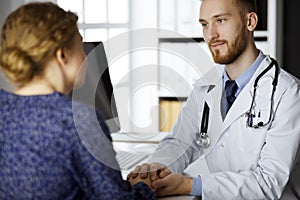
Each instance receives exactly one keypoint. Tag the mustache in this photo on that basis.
(212, 42)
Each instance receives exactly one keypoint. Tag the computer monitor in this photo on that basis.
(97, 89)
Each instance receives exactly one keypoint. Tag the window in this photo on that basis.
(99, 20)
(180, 16)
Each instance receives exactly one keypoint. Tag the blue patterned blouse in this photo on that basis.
(50, 149)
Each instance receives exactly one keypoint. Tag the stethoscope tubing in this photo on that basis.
(255, 86)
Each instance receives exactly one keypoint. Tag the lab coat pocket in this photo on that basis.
(249, 142)
(261, 110)
(249, 139)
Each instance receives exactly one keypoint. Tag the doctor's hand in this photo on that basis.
(154, 170)
(173, 184)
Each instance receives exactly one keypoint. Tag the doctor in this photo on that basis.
(253, 134)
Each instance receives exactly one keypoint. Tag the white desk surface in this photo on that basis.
(138, 137)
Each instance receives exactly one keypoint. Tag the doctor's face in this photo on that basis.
(224, 30)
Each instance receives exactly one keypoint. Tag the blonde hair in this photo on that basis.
(30, 37)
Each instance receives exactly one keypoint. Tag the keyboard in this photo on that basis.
(128, 160)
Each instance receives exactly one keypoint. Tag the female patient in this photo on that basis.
(45, 153)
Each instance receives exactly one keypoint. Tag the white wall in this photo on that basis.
(143, 67)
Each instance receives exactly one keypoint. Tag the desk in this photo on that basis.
(138, 137)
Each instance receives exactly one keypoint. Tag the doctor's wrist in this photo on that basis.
(187, 185)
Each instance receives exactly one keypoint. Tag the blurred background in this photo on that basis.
(153, 74)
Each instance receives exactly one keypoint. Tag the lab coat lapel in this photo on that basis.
(213, 99)
(215, 117)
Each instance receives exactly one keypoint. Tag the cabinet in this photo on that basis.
(168, 112)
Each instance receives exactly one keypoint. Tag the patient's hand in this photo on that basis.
(138, 179)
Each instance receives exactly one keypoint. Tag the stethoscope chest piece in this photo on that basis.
(203, 140)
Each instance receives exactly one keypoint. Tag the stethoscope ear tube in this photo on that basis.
(273, 62)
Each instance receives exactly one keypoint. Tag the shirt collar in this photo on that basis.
(245, 77)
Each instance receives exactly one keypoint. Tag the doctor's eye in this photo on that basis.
(221, 20)
(204, 25)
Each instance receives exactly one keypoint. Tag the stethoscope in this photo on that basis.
(203, 139)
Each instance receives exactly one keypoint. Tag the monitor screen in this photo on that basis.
(97, 89)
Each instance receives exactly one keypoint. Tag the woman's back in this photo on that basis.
(50, 146)
(43, 157)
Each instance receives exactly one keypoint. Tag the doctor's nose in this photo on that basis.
(211, 33)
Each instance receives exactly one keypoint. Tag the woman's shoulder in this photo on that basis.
(56, 109)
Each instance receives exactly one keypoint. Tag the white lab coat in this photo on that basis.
(243, 162)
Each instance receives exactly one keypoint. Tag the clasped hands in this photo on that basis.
(160, 179)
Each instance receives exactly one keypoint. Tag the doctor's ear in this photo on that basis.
(252, 20)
